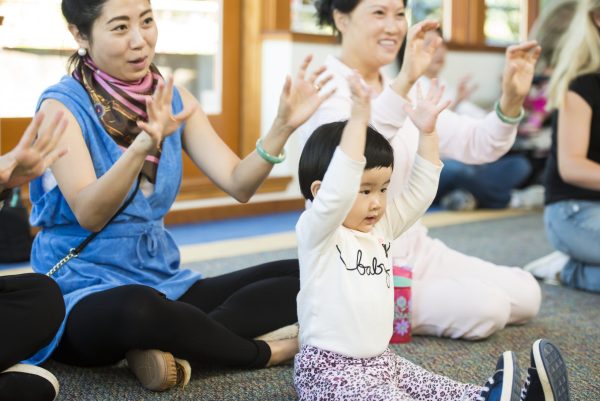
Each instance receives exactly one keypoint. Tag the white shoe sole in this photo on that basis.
(544, 365)
(187, 371)
(35, 370)
(509, 377)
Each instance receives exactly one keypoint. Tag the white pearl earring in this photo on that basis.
(82, 51)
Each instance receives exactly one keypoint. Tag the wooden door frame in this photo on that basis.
(239, 123)
(227, 123)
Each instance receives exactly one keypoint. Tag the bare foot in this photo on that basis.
(282, 350)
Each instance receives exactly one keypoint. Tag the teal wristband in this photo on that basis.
(506, 119)
(266, 155)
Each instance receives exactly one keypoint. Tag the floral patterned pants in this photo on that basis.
(327, 376)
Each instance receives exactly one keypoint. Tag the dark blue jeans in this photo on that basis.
(491, 184)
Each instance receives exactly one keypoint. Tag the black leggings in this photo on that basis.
(214, 321)
(32, 309)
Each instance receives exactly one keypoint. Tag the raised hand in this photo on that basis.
(518, 71)
(424, 114)
(464, 91)
(361, 98)
(419, 52)
(301, 98)
(161, 121)
(33, 155)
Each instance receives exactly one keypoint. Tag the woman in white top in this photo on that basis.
(482, 297)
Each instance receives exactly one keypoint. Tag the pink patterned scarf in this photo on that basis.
(119, 105)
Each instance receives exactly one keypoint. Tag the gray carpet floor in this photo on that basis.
(569, 318)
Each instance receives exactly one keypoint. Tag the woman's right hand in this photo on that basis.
(37, 150)
(302, 97)
(418, 54)
(161, 121)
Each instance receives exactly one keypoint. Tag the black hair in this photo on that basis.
(325, 17)
(325, 10)
(321, 145)
(82, 14)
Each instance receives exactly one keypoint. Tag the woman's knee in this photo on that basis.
(285, 267)
(527, 298)
(522, 167)
(470, 309)
(573, 227)
(128, 305)
(143, 304)
(46, 300)
(488, 314)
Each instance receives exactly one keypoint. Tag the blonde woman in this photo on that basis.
(572, 214)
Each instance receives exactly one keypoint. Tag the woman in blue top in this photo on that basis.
(125, 294)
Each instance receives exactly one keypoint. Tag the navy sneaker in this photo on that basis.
(504, 383)
(547, 377)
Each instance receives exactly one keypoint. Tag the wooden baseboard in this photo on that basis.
(232, 211)
(203, 188)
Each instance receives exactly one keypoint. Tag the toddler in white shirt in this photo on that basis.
(345, 303)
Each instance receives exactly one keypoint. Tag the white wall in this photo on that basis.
(281, 57)
(23, 79)
(485, 68)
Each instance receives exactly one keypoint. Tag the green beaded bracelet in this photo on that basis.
(508, 120)
(266, 155)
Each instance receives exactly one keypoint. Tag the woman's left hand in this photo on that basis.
(518, 74)
(301, 98)
(424, 114)
(161, 121)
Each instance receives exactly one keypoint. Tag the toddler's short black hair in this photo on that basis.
(319, 149)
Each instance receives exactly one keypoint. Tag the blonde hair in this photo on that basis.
(549, 27)
(578, 52)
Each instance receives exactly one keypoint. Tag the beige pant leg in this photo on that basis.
(460, 296)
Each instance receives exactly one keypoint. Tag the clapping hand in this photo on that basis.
(424, 114)
(519, 70)
(464, 91)
(361, 98)
(36, 151)
(302, 97)
(419, 52)
(161, 121)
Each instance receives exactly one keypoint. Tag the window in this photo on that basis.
(196, 61)
(199, 42)
(423, 9)
(39, 55)
(502, 22)
(303, 18)
(479, 24)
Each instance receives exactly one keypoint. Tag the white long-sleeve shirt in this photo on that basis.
(346, 297)
(462, 138)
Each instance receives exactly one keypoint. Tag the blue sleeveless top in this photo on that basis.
(135, 248)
